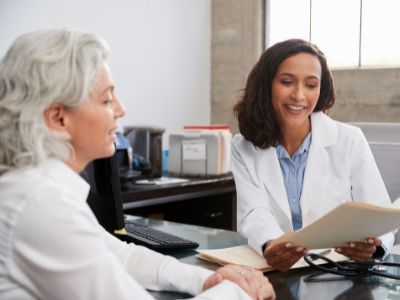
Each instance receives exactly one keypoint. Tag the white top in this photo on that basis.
(52, 246)
(340, 167)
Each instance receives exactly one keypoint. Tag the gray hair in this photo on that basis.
(42, 68)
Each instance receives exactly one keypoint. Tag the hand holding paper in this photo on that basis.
(349, 222)
(283, 256)
(359, 251)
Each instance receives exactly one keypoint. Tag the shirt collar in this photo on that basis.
(65, 176)
(305, 146)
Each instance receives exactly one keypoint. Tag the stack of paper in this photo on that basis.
(200, 150)
(350, 222)
(248, 257)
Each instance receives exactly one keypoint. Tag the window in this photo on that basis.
(351, 33)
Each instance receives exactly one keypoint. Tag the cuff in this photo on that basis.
(263, 246)
(225, 290)
(176, 276)
(380, 252)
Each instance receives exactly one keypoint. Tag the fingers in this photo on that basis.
(217, 279)
(283, 261)
(359, 251)
(267, 290)
(230, 272)
(254, 279)
(374, 241)
(277, 249)
(253, 283)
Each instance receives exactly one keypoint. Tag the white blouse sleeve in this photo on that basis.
(59, 251)
(153, 270)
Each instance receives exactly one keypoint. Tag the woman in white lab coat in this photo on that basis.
(59, 111)
(292, 163)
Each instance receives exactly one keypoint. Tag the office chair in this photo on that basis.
(380, 132)
(384, 141)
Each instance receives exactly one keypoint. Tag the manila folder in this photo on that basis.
(349, 222)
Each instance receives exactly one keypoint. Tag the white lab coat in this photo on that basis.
(340, 167)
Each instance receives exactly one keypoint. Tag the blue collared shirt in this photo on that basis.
(293, 173)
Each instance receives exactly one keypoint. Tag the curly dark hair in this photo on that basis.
(256, 115)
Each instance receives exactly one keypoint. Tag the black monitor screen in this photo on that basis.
(105, 192)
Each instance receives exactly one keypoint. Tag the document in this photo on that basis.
(248, 257)
(350, 222)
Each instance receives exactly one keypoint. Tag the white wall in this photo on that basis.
(160, 51)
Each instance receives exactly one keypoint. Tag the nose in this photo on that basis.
(119, 110)
(298, 93)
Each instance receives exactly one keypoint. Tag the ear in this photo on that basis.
(54, 117)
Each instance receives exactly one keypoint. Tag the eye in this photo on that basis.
(109, 101)
(286, 82)
(311, 86)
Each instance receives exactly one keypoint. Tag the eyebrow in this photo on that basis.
(111, 87)
(291, 75)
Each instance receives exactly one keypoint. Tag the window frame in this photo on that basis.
(266, 31)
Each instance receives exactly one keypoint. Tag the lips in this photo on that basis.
(295, 107)
(113, 130)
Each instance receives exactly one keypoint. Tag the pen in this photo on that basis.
(323, 253)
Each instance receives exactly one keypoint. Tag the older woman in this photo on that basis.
(58, 111)
(292, 163)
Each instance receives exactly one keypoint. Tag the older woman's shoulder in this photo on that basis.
(33, 186)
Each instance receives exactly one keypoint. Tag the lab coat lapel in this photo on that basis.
(324, 134)
(314, 177)
(271, 174)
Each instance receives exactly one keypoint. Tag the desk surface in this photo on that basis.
(134, 196)
(289, 285)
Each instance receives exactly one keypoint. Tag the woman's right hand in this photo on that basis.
(283, 256)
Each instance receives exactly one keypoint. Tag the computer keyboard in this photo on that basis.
(155, 239)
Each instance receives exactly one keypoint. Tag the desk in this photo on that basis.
(289, 285)
(204, 202)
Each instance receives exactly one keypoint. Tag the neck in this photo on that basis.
(292, 138)
(75, 164)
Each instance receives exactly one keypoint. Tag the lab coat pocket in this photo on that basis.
(334, 195)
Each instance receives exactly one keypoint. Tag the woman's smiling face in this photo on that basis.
(295, 89)
(92, 124)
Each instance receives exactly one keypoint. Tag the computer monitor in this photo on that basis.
(105, 192)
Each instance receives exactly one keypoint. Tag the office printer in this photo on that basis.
(200, 152)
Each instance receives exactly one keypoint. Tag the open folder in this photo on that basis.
(248, 257)
(349, 222)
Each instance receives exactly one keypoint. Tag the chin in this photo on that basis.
(107, 152)
(111, 151)
(294, 123)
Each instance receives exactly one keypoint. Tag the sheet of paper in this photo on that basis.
(350, 222)
(194, 150)
(246, 256)
(396, 204)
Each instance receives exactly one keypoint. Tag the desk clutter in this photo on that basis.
(139, 153)
(200, 150)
